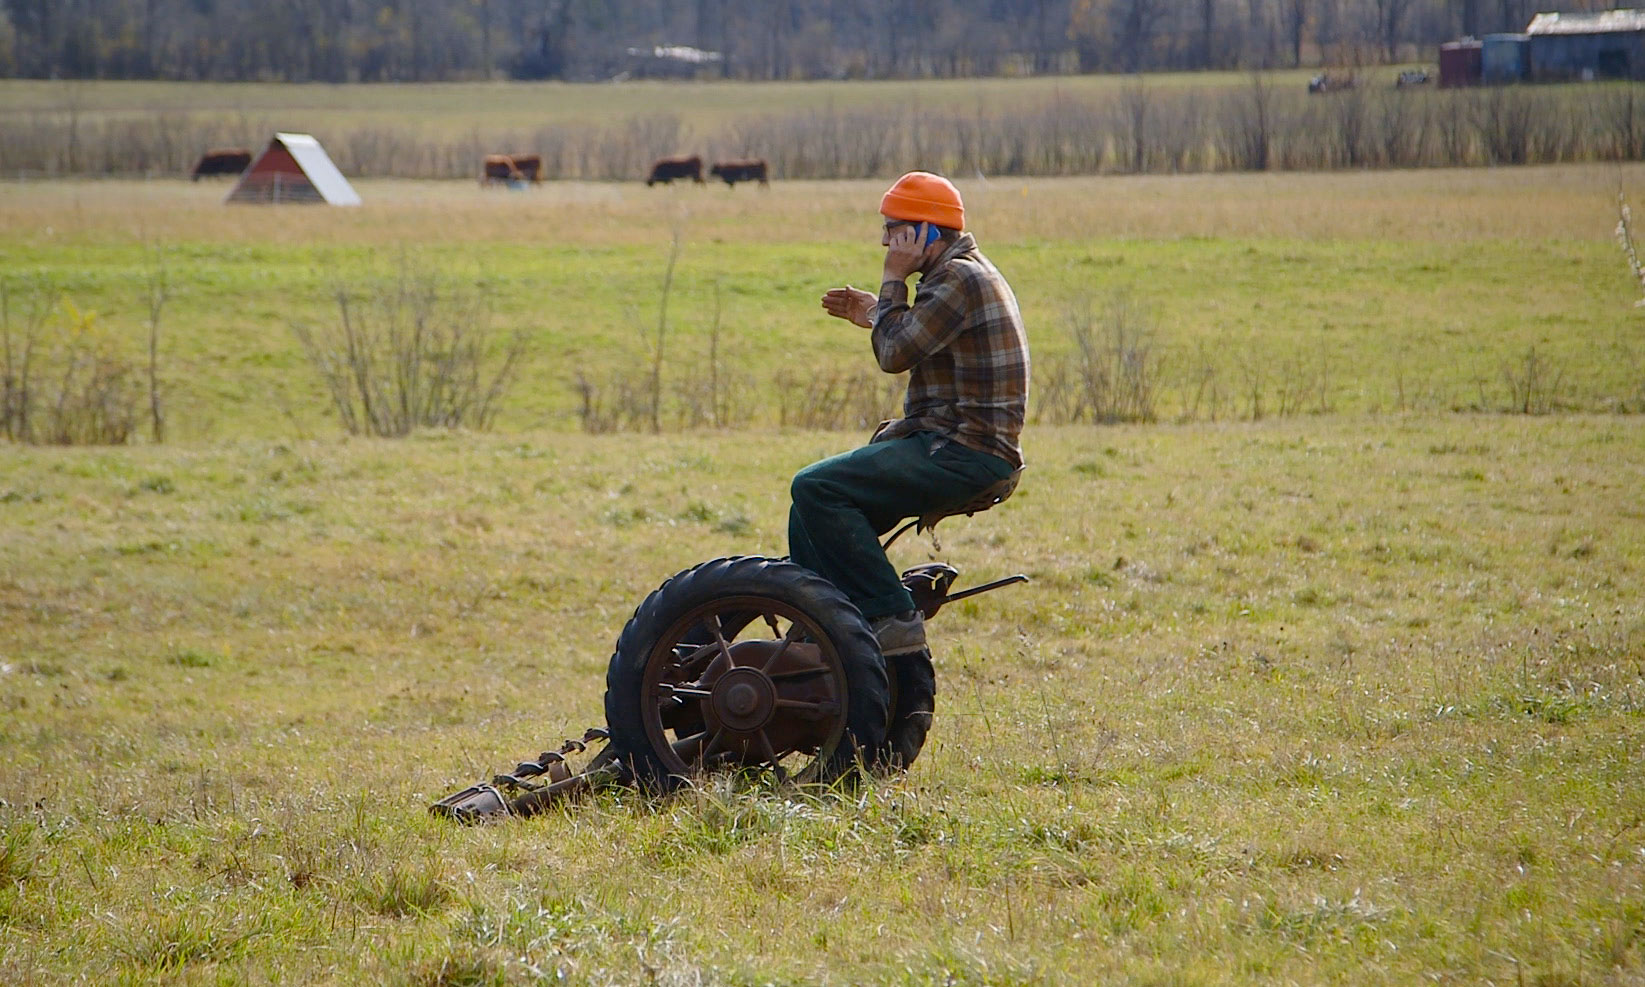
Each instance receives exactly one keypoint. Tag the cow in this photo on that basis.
(499, 168)
(667, 169)
(222, 161)
(530, 166)
(741, 170)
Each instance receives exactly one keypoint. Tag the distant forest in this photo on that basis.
(586, 40)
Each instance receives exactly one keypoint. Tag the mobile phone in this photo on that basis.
(932, 234)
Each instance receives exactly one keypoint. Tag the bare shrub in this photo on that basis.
(1260, 126)
(1113, 375)
(1453, 120)
(1301, 379)
(1417, 390)
(1249, 117)
(1254, 368)
(413, 350)
(1205, 394)
(619, 403)
(1136, 100)
(1402, 124)
(709, 397)
(834, 400)
(67, 380)
(1504, 116)
(1350, 118)
(1624, 118)
(19, 355)
(1533, 384)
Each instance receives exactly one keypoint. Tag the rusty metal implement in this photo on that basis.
(751, 664)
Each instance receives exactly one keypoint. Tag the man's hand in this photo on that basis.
(851, 304)
(907, 252)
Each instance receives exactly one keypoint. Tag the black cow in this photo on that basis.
(741, 170)
(684, 166)
(222, 161)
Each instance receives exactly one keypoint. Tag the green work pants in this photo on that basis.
(843, 504)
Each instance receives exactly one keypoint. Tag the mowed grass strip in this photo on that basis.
(1337, 699)
(1364, 292)
(458, 108)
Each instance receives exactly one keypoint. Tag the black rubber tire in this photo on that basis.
(914, 686)
(867, 705)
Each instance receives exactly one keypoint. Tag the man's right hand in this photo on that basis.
(851, 304)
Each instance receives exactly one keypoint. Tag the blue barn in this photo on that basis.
(1607, 44)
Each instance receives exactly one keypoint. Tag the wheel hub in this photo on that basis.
(744, 699)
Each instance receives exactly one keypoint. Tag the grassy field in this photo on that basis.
(1329, 700)
(1391, 291)
(447, 107)
(1350, 696)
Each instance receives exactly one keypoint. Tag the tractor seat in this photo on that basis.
(994, 494)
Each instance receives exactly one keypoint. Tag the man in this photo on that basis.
(963, 342)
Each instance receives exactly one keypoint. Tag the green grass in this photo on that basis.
(1412, 290)
(1352, 697)
(462, 106)
(1327, 700)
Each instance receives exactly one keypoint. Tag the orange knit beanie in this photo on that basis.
(921, 197)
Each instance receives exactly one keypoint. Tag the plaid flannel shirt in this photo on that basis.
(963, 340)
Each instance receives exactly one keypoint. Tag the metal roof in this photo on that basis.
(320, 180)
(316, 164)
(1596, 22)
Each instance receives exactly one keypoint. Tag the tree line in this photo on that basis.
(584, 40)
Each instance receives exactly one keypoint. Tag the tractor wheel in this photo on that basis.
(914, 700)
(750, 662)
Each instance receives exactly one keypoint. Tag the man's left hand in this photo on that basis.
(906, 251)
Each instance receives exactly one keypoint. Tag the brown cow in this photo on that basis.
(740, 170)
(498, 168)
(222, 161)
(530, 166)
(684, 166)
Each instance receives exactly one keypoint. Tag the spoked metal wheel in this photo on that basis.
(774, 700)
(746, 662)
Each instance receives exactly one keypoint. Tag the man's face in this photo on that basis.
(892, 226)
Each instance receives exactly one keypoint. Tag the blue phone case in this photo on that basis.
(932, 234)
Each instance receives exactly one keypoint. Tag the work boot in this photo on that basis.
(900, 634)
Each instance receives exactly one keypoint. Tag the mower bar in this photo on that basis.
(984, 588)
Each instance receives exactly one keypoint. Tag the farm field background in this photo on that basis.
(1347, 292)
(458, 106)
(1352, 695)
(1046, 126)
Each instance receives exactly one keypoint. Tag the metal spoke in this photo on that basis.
(719, 639)
(822, 709)
(685, 664)
(769, 753)
(798, 673)
(771, 622)
(688, 692)
(684, 744)
(776, 656)
(713, 745)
